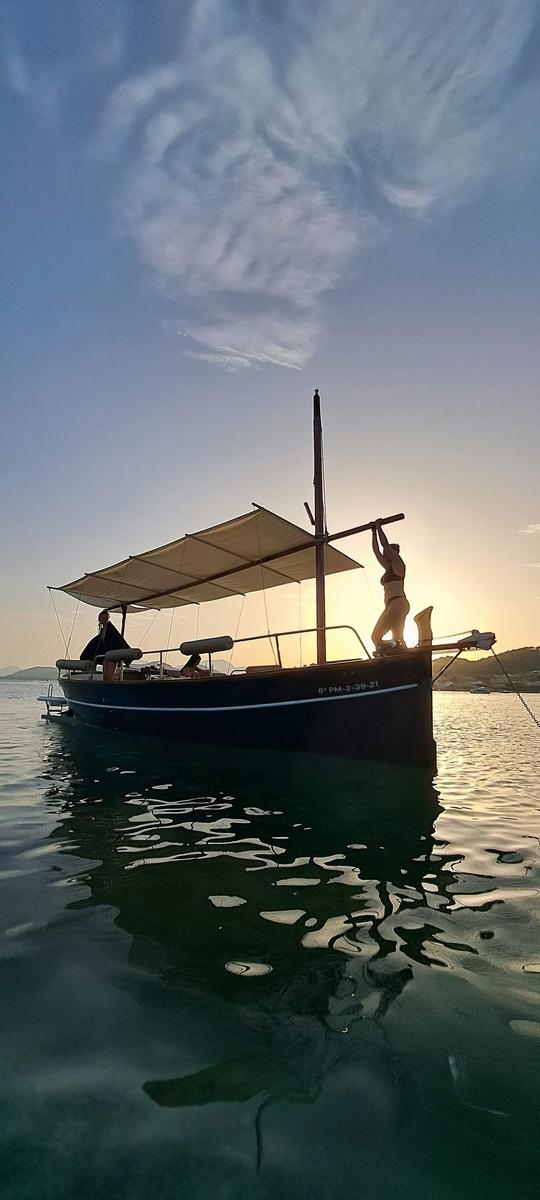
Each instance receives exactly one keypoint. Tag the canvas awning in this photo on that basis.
(255, 551)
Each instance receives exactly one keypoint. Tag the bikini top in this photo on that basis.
(390, 576)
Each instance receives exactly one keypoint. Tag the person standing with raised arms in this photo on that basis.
(396, 605)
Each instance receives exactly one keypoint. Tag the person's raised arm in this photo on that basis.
(374, 542)
(388, 550)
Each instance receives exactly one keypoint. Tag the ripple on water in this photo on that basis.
(246, 969)
(529, 1029)
(331, 930)
(284, 916)
(301, 881)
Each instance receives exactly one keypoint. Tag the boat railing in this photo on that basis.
(272, 637)
(296, 632)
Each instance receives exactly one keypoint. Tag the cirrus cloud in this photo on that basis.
(257, 164)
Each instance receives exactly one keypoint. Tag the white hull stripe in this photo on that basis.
(404, 687)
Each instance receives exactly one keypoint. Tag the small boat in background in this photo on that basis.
(373, 708)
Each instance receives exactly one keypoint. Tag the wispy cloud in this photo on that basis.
(258, 163)
(530, 529)
(42, 91)
(97, 36)
(106, 34)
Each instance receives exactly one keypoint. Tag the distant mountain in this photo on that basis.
(523, 667)
(220, 665)
(43, 673)
(8, 671)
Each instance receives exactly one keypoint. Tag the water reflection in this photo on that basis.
(270, 977)
(283, 886)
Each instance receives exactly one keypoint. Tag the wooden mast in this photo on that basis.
(320, 530)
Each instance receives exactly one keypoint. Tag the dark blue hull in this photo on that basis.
(378, 710)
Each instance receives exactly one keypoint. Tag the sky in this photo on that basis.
(210, 208)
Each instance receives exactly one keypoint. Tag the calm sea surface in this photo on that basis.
(264, 976)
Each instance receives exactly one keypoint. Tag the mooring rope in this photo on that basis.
(515, 689)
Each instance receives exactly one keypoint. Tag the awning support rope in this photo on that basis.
(74, 620)
(236, 632)
(170, 630)
(263, 589)
(148, 627)
(62, 634)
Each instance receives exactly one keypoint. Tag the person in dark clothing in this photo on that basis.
(108, 638)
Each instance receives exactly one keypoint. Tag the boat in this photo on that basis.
(369, 707)
(480, 689)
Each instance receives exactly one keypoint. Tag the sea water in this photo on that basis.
(228, 975)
